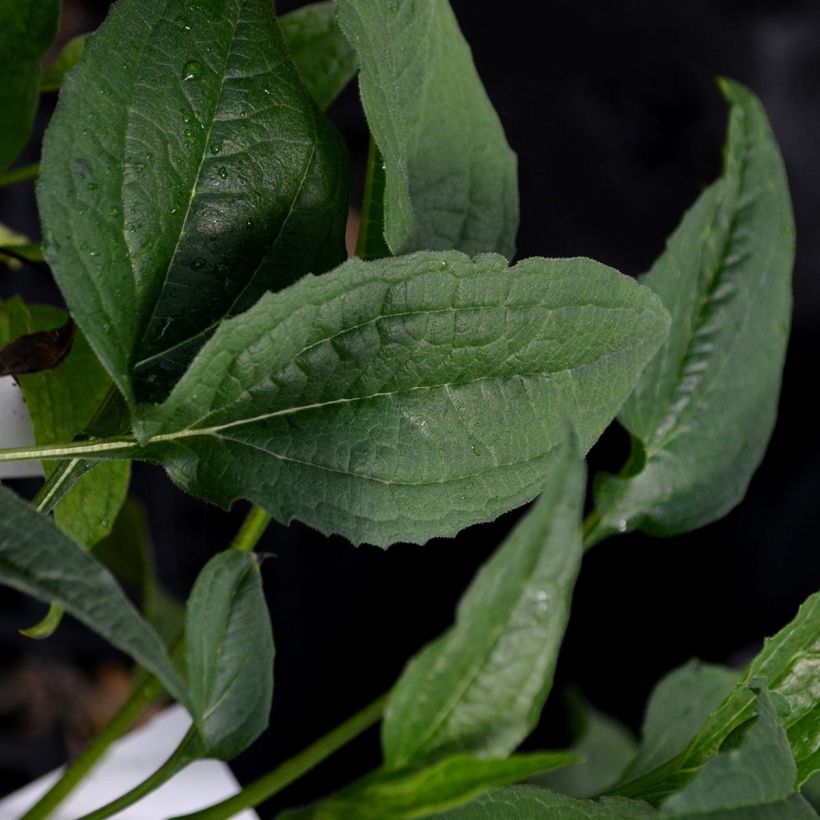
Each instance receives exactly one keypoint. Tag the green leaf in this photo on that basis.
(28, 29)
(61, 403)
(451, 178)
(606, 747)
(186, 171)
(229, 654)
(530, 803)
(756, 771)
(481, 686)
(370, 242)
(790, 663)
(19, 244)
(676, 710)
(703, 411)
(70, 54)
(325, 60)
(380, 387)
(38, 559)
(416, 792)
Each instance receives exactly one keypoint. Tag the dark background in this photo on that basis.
(618, 126)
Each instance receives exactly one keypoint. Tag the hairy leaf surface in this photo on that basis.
(416, 792)
(451, 179)
(38, 559)
(27, 30)
(185, 172)
(325, 59)
(229, 654)
(413, 396)
(481, 686)
(703, 411)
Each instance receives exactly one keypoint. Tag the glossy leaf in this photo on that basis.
(61, 403)
(605, 745)
(409, 793)
(325, 60)
(676, 710)
(380, 386)
(38, 559)
(451, 179)
(703, 411)
(186, 171)
(70, 54)
(229, 654)
(27, 30)
(530, 803)
(481, 686)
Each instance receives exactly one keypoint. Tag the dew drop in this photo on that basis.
(223, 172)
(198, 264)
(92, 186)
(216, 147)
(192, 70)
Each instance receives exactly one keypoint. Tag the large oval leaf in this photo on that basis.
(480, 687)
(704, 409)
(26, 31)
(186, 170)
(229, 654)
(406, 398)
(451, 179)
(38, 559)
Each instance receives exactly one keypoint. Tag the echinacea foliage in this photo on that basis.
(193, 198)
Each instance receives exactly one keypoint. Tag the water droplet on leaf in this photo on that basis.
(192, 70)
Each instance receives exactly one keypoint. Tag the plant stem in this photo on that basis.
(19, 174)
(187, 752)
(291, 770)
(252, 529)
(124, 447)
(140, 699)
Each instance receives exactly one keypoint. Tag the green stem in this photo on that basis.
(186, 753)
(254, 525)
(140, 699)
(371, 243)
(291, 770)
(123, 447)
(19, 174)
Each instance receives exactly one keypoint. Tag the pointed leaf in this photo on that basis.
(38, 559)
(27, 30)
(481, 686)
(380, 387)
(677, 708)
(451, 179)
(409, 793)
(186, 171)
(229, 654)
(530, 803)
(704, 409)
(325, 60)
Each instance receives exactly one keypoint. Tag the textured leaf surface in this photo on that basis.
(380, 387)
(758, 771)
(606, 747)
(704, 409)
(61, 402)
(27, 28)
(417, 792)
(325, 60)
(480, 687)
(451, 179)
(677, 708)
(789, 663)
(530, 803)
(38, 559)
(70, 54)
(186, 171)
(229, 654)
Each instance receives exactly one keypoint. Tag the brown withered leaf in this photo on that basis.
(36, 352)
